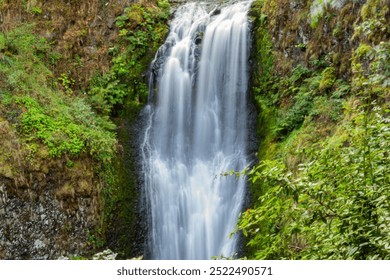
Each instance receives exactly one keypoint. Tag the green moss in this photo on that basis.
(328, 79)
(337, 32)
(36, 11)
(135, 15)
(6, 169)
(265, 126)
(374, 9)
(121, 195)
(370, 68)
(373, 27)
(261, 50)
(363, 50)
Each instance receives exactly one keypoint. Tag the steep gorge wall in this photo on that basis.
(321, 84)
(47, 208)
(81, 31)
(54, 206)
(303, 32)
(325, 46)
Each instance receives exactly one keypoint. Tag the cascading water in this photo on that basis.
(197, 130)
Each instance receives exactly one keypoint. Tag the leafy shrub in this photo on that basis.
(142, 30)
(65, 125)
(299, 89)
(336, 207)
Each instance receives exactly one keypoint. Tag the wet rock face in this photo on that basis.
(43, 228)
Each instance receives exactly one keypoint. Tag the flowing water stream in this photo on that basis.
(196, 131)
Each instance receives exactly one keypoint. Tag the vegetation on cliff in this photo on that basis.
(39, 110)
(142, 29)
(321, 82)
(70, 82)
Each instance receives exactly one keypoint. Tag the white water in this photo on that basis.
(197, 131)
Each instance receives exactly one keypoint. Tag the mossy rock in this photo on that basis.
(328, 79)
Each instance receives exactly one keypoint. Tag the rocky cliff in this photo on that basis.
(59, 187)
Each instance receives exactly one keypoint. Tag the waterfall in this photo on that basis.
(196, 131)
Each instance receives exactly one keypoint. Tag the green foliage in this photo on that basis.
(6, 98)
(297, 93)
(67, 129)
(371, 69)
(54, 58)
(96, 239)
(66, 83)
(374, 25)
(293, 117)
(262, 52)
(336, 207)
(120, 195)
(21, 55)
(299, 96)
(36, 10)
(326, 109)
(142, 30)
(328, 79)
(321, 190)
(40, 110)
